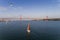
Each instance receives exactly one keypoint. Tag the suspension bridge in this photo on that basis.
(28, 18)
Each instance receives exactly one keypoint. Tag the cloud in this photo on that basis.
(3, 8)
(58, 3)
(58, 0)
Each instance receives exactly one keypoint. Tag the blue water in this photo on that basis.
(40, 30)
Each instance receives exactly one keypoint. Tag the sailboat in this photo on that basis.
(28, 28)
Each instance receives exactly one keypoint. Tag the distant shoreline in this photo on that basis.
(32, 20)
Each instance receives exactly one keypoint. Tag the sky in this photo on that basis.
(30, 8)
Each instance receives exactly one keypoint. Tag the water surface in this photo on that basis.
(40, 30)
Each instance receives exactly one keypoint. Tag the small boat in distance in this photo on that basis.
(28, 28)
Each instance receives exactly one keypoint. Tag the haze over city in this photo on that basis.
(30, 8)
(29, 19)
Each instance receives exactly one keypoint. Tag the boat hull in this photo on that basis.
(28, 31)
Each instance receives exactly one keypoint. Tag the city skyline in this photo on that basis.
(30, 8)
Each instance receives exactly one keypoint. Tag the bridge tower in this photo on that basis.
(28, 17)
(46, 18)
(20, 17)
